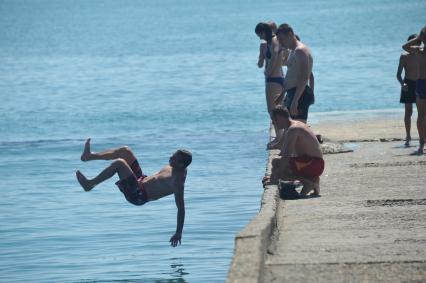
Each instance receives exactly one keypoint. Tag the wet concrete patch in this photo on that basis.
(388, 164)
(333, 148)
(394, 202)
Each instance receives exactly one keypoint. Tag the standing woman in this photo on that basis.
(408, 63)
(274, 78)
(414, 46)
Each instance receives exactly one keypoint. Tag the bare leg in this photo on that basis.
(119, 166)
(421, 123)
(110, 154)
(407, 122)
(273, 90)
(308, 186)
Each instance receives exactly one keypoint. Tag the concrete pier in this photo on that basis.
(369, 225)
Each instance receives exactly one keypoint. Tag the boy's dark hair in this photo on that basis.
(284, 29)
(412, 36)
(280, 111)
(185, 157)
(265, 29)
(297, 37)
(273, 26)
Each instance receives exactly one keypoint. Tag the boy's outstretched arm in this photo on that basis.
(180, 204)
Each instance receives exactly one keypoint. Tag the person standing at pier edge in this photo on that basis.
(408, 63)
(299, 69)
(414, 46)
(274, 78)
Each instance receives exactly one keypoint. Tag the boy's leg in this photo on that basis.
(310, 185)
(119, 166)
(421, 122)
(407, 122)
(110, 154)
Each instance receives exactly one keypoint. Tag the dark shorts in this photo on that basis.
(305, 101)
(133, 192)
(421, 89)
(409, 96)
(277, 80)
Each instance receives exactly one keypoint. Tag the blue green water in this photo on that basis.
(160, 76)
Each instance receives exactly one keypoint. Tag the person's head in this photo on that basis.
(285, 35)
(180, 159)
(273, 26)
(263, 31)
(422, 35)
(281, 117)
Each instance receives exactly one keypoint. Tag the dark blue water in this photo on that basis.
(160, 76)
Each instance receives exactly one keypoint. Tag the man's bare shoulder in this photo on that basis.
(405, 55)
(301, 53)
(298, 125)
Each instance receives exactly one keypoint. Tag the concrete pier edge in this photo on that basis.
(251, 243)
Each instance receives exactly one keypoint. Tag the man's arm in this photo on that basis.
(288, 149)
(312, 81)
(399, 71)
(180, 204)
(303, 62)
(285, 54)
(261, 60)
(412, 46)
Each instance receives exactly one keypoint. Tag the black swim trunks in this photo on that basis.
(277, 80)
(421, 88)
(408, 96)
(305, 101)
(131, 186)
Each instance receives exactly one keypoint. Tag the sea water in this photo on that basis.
(158, 76)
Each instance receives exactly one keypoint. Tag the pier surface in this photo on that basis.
(369, 225)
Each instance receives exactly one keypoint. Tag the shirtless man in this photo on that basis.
(408, 64)
(137, 187)
(274, 78)
(414, 46)
(300, 157)
(299, 69)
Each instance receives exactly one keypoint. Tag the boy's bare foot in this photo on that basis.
(86, 151)
(407, 141)
(83, 181)
(308, 186)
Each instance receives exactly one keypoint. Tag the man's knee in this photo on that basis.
(125, 149)
(126, 152)
(119, 163)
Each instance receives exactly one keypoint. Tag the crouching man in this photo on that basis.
(300, 157)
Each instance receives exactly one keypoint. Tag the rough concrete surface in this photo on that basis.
(369, 225)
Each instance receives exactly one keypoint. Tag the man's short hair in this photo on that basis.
(185, 157)
(284, 29)
(280, 111)
(265, 29)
